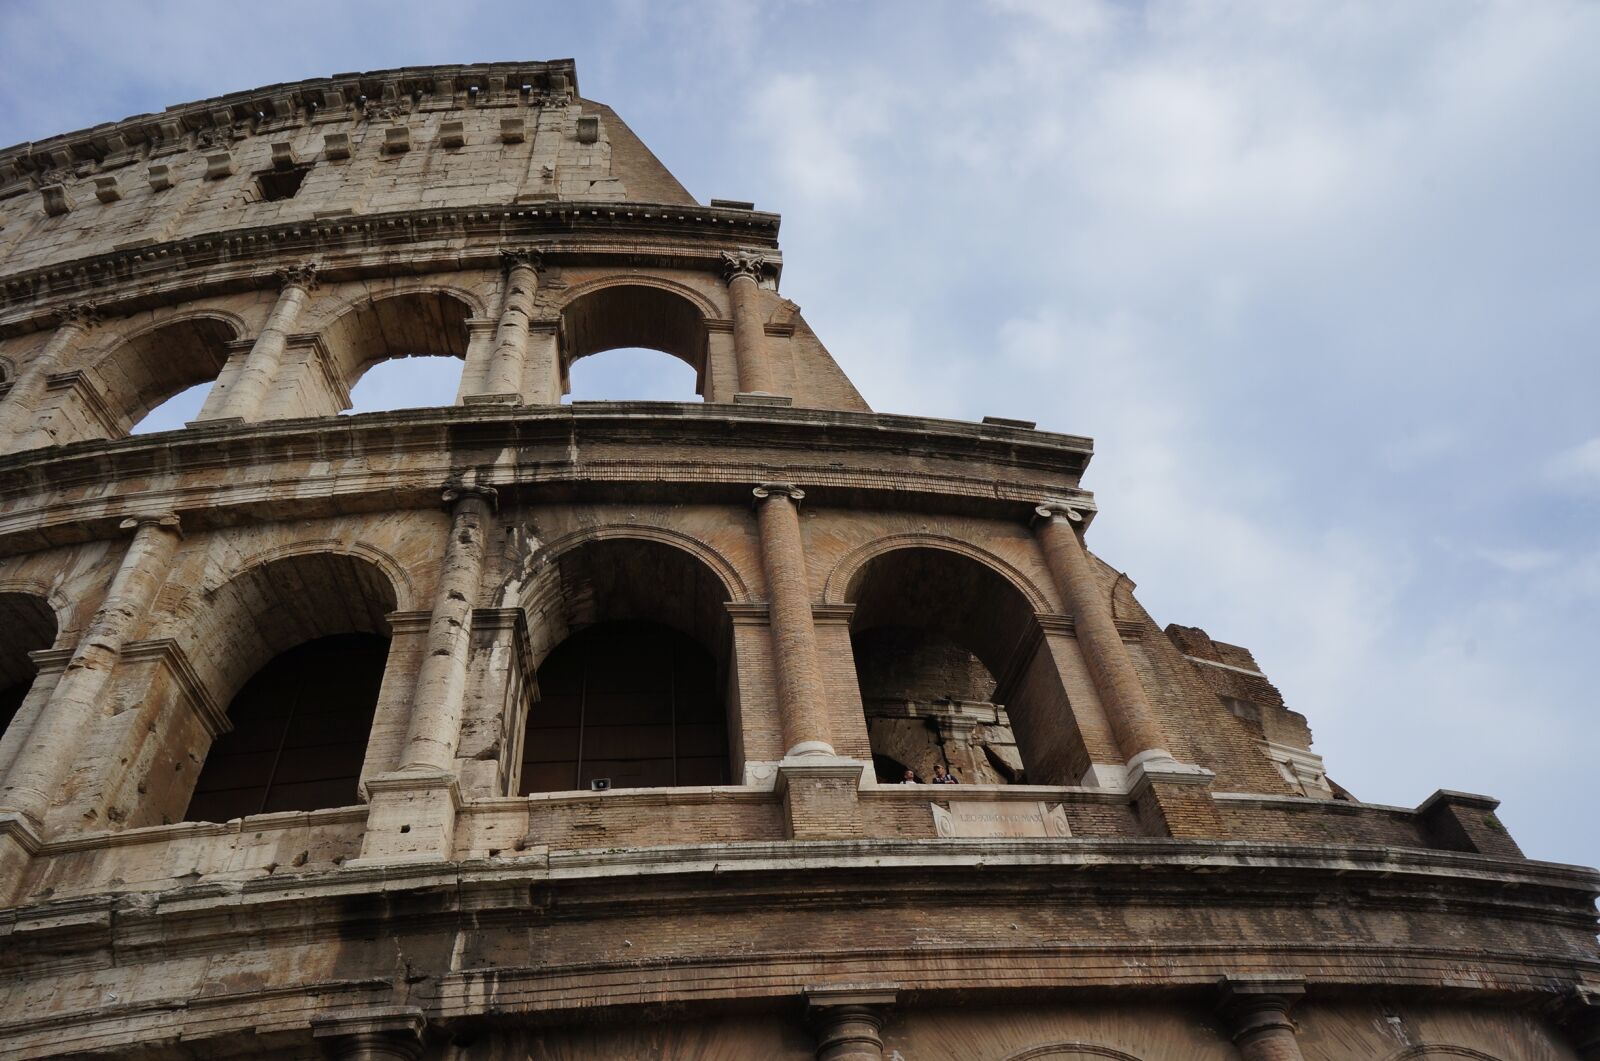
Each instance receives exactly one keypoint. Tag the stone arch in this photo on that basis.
(947, 638)
(653, 603)
(62, 607)
(636, 310)
(137, 371)
(400, 581)
(845, 570)
(421, 321)
(1070, 1051)
(1422, 1051)
(224, 638)
(732, 581)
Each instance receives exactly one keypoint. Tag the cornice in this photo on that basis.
(273, 108)
(838, 457)
(569, 232)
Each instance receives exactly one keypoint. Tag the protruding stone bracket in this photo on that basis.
(848, 1020)
(392, 1033)
(1256, 1011)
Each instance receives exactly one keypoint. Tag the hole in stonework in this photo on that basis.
(405, 828)
(276, 184)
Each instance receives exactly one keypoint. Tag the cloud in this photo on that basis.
(1577, 467)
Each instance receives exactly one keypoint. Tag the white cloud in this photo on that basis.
(1578, 466)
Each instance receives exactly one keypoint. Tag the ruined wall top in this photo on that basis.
(497, 134)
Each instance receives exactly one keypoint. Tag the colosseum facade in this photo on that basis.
(508, 728)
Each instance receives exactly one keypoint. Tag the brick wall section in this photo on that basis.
(1461, 821)
(1202, 730)
(1272, 720)
(823, 808)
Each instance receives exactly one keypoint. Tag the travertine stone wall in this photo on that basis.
(1212, 901)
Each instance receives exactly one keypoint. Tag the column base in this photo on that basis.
(492, 399)
(410, 818)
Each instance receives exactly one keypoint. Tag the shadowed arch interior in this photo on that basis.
(636, 315)
(934, 630)
(633, 641)
(146, 370)
(411, 324)
(27, 624)
(296, 647)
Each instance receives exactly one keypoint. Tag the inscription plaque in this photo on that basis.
(997, 818)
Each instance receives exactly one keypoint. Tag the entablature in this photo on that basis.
(360, 246)
(600, 451)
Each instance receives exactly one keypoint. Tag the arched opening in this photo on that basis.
(631, 374)
(299, 736)
(941, 644)
(636, 318)
(634, 645)
(420, 324)
(405, 383)
(157, 380)
(27, 624)
(296, 648)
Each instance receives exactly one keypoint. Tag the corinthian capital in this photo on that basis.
(300, 274)
(744, 263)
(786, 490)
(78, 314)
(521, 257)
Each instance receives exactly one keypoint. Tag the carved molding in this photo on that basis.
(300, 274)
(752, 265)
(169, 654)
(784, 490)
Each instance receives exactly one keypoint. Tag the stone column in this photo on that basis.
(441, 682)
(848, 1023)
(1138, 731)
(743, 272)
(1256, 1011)
(385, 1034)
(21, 402)
(503, 380)
(794, 636)
(249, 391)
(37, 775)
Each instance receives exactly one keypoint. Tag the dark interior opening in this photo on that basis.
(300, 729)
(630, 702)
(26, 625)
(276, 184)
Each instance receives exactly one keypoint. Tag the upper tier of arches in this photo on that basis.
(300, 351)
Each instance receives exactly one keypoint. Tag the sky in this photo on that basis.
(1321, 279)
